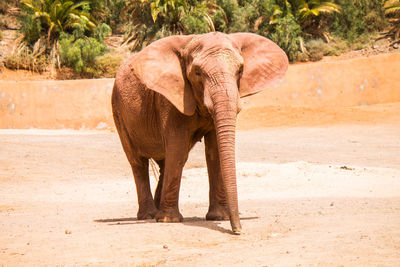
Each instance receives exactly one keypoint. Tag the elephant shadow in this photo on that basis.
(189, 221)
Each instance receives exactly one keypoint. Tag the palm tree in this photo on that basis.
(153, 19)
(392, 10)
(45, 20)
(310, 15)
(313, 8)
(58, 16)
(392, 7)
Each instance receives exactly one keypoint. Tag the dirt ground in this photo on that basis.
(323, 196)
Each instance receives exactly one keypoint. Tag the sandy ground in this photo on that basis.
(320, 196)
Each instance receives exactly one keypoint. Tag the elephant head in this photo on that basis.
(210, 73)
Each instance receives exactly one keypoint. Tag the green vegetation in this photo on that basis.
(79, 52)
(105, 66)
(358, 18)
(153, 19)
(52, 17)
(71, 32)
(59, 32)
(392, 9)
(3, 7)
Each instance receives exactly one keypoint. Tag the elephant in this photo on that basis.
(176, 91)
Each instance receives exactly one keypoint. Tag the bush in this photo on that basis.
(319, 45)
(316, 55)
(114, 14)
(222, 15)
(357, 18)
(6, 4)
(287, 35)
(3, 7)
(31, 28)
(243, 18)
(195, 21)
(105, 66)
(1, 35)
(78, 51)
(302, 57)
(25, 60)
(3, 21)
(318, 48)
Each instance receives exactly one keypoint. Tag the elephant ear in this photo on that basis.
(159, 67)
(264, 62)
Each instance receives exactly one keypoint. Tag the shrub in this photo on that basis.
(314, 46)
(31, 28)
(102, 31)
(3, 21)
(375, 20)
(287, 35)
(339, 44)
(302, 57)
(243, 18)
(196, 21)
(3, 7)
(316, 55)
(357, 18)
(114, 14)
(222, 14)
(26, 60)
(1, 35)
(78, 51)
(105, 66)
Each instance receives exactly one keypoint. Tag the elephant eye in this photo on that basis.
(197, 71)
(240, 70)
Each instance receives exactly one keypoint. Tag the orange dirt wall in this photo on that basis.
(345, 83)
(86, 104)
(77, 104)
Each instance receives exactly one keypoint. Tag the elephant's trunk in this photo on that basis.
(225, 112)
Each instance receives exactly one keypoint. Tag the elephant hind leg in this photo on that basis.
(140, 170)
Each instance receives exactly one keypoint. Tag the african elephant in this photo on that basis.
(178, 90)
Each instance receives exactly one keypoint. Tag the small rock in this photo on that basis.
(396, 46)
(165, 247)
(332, 204)
(68, 232)
(346, 168)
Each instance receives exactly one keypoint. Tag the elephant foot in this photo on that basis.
(146, 214)
(217, 213)
(169, 215)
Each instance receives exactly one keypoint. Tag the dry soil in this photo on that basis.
(309, 196)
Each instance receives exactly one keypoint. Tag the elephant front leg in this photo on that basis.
(218, 209)
(168, 209)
